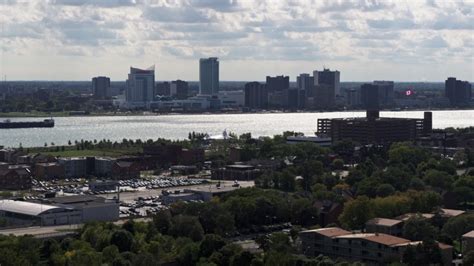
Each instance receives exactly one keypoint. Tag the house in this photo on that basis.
(386, 226)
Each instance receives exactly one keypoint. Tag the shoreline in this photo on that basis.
(149, 113)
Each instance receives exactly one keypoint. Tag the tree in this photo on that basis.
(468, 258)
(189, 254)
(418, 228)
(210, 244)
(186, 226)
(122, 239)
(385, 190)
(356, 213)
(459, 225)
(438, 179)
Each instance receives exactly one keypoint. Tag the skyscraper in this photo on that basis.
(101, 87)
(458, 92)
(326, 87)
(140, 87)
(179, 89)
(305, 84)
(277, 88)
(209, 76)
(386, 97)
(256, 95)
(369, 95)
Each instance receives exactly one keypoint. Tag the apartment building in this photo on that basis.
(369, 248)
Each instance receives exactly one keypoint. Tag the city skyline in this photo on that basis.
(80, 39)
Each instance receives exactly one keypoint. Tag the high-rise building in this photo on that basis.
(140, 87)
(458, 92)
(256, 95)
(101, 87)
(326, 87)
(179, 89)
(305, 84)
(277, 88)
(209, 76)
(386, 96)
(163, 89)
(369, 96)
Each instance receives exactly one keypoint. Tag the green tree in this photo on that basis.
(356, 213)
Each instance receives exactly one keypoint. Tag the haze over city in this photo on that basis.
(365, 40)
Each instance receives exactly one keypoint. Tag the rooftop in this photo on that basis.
(383, 222)
(469, 234)
(26, 208)
(451, 212)
(329, 231)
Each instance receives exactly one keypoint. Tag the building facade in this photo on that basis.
(209, 76)
(326, 87)
(140, 87)
(101, 87)
(179, 89)
(256, 95)
(458, 92)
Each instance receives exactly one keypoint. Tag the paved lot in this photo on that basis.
(131, 196)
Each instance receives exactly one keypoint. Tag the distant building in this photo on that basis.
(326, 87)
(305, 84)
(140, 87)
(256, 95)
(236, 172)
(179, 89)
(49, 171)
(15, 179)
(101, 87)
(458, 92)
(374, 129)
(353, 98)
(232, 99)
(125, 170)
(277, 88)
(74, 166)
(163, 89)
(209, 76)
(377, 94)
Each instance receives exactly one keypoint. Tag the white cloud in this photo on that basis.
(403, 35)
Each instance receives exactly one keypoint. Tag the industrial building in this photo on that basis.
(59, 211)
(375, 129)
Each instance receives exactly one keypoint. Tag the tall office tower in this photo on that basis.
(101, 87)
(353, 97)
(277, 88)
(179, 89)
(369, 96)
(305, 84)
(458, 92)
(209, 76)
(140, 87)
(386, 96)
(163, 89)
(326, 87)
(256, 95)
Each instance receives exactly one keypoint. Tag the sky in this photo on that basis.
(400, 40)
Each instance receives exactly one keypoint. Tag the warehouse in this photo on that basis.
(58, 211)
(17, 212)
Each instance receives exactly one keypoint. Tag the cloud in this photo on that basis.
(337, 31)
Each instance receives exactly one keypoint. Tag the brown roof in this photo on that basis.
(444, 246)
(385, 239)
(384, 222)
(330, 231)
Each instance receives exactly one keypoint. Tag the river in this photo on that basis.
(116, 128)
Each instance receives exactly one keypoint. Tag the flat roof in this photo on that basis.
(383, 221)
(452, 212)
(329, 231)
(469, 234)
(384, 239)
(27, 208)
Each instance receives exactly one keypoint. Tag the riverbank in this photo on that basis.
(149, 113)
